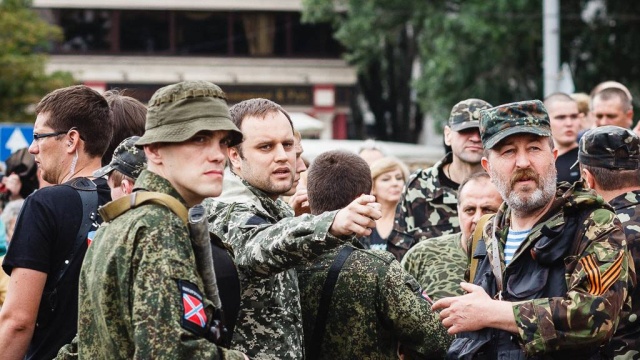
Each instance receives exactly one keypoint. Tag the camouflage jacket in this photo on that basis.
(375, 305)
(140, 294)
(426, 209)
(626, 340)
(268, 242)
(438, 265)
(568, 279)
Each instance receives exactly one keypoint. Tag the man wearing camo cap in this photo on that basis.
(609, 158)
(125, 167)
(553, 263)
(141, 295)
(428, 206)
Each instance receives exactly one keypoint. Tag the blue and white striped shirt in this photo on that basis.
(514, 239)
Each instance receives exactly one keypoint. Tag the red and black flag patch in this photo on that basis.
(193, 317)
(600, 282)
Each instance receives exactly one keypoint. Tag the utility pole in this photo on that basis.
(551, 45)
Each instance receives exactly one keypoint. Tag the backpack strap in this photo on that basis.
(477, 235)
(118, 207)
(325, 300)
(88, 192)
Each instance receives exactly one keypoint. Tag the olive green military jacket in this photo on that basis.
(596, 275)
(375, 305)
(140, 293)
(268, 242)
(426, 209)
(626, 340)
(438, 265)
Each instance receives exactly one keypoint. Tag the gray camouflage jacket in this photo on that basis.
(426, 210)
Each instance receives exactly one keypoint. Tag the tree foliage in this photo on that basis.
(24, 39)
(490, 50)
(380, 37)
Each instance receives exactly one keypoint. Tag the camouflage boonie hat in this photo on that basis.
(610, 147)
(466, 114)
(177, 112)
(127, 158)
(505, 120)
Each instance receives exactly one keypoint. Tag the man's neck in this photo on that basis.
(521, 221)
(612, 194)
(458, 170)
(563, 149)
(84, 167)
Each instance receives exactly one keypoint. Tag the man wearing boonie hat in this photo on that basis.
(428, 206)
(609, 158)
(126, 164)
(141, 295)
(553, 264)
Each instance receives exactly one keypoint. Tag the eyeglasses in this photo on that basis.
(37, 137)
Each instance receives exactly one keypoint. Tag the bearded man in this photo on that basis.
(553, 264)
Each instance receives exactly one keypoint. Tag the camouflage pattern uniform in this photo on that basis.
(614, 148)
(626, 341)
(567, 280)
(268, 242)
(374, 306)
(139, 259)
(438, 265)
(127, 159)
(427, 208)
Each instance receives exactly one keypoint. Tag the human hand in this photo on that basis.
(299, 201)
(357, 218)
(467, 312)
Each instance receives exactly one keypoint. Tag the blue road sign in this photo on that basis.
(14, 137)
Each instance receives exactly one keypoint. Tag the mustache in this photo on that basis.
(525, 174)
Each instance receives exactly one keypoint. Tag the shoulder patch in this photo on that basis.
(256, 220)
(193, 317)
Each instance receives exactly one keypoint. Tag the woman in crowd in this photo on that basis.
(389, 176)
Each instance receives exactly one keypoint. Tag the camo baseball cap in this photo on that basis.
(177, 112)
(466, 114)
(127, 158)
(520, 117)
(610, 147)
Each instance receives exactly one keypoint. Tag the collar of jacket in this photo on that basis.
(237, 190)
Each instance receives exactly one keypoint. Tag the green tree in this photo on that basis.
(380, 38)
(24, 40)
(490, 50)
(599, 42)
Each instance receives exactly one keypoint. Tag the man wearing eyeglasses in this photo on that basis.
(71, 132)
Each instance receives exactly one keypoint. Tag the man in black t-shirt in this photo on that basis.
(565, 124)
(71, 132)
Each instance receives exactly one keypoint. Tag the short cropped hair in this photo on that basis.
(129, 116)
(335, 179)
(82, 108)
(609, 179)
(257, 107)
(614, 93)
(557, 97)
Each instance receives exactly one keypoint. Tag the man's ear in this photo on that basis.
(485, 165)
(234, 157)
(152, 151)
(589, 179)
(73, 141)
(126, 186)
(447, 135)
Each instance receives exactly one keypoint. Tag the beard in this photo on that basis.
(526, 200)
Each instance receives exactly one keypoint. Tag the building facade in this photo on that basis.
(251, 48)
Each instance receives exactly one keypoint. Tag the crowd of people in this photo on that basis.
(186, 228)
